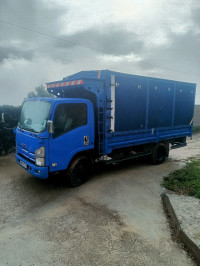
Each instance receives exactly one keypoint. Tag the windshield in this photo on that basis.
(34, 116)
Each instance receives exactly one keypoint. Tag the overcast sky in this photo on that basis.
(161, 37)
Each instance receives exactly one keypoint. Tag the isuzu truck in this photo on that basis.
(102, 116)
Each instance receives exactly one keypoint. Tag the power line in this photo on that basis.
(90, 48)
(45, 34)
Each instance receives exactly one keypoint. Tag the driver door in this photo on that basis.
(72, 133)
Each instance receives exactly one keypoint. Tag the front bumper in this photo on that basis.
(39, 172)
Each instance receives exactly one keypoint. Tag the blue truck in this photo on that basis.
(102, 116)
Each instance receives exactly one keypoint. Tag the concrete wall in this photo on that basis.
(197, 115)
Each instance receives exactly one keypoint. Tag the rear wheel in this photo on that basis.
(159, 153)
(78, 172)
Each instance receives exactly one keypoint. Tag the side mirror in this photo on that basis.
(2, 118)
(50, 126)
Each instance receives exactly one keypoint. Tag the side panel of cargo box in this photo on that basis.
(146, 110)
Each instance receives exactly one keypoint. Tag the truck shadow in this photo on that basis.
(101, 169)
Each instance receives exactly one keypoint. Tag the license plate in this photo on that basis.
(23, 164)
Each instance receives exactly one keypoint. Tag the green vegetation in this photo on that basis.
(196, 129)
(9, 121)
(186, 180)
(39, 91)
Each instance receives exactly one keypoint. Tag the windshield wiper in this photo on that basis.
(27, 128)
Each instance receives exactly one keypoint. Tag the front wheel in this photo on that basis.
(159, 153)
(78, 172)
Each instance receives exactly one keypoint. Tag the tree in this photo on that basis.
(39, 91)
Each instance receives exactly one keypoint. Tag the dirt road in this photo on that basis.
(116, 218)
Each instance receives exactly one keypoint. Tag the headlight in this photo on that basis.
(39, 161)
(40, 156)
(40, 152)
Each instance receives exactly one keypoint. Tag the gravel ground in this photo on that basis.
(116, 218)
(187, 210)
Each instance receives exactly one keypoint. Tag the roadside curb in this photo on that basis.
(179, 233)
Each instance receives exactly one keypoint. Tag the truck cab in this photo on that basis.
(51, 132)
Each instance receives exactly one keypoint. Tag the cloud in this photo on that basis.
(196, 17)
(36, 15)
(112, 40)
(20, 76)
(161, 39)
(10, 52)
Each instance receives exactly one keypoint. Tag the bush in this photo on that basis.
(196, 129)
(7, 137)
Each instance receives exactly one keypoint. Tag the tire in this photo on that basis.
(78, 172)
(159, 153)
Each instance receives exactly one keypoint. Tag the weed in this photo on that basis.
(196, 129)
(186, 180)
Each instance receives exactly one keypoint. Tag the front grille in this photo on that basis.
(26, 158)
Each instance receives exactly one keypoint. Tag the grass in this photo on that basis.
(186, 180)
(196, 129)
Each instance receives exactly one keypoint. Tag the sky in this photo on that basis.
(46, 40)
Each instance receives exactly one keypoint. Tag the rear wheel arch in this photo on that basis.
(89, 154)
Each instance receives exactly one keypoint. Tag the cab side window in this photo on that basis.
(69, 116)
